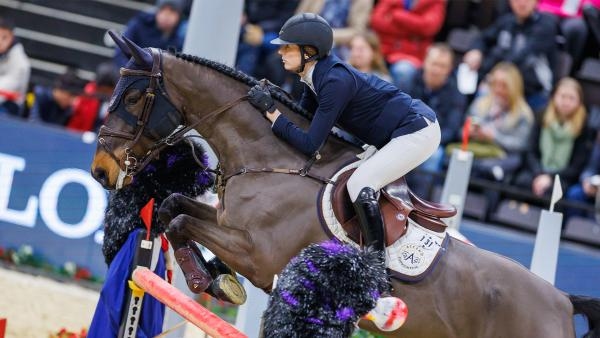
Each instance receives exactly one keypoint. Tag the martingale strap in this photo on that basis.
(299, 172)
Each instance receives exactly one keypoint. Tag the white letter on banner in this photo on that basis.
(49, 201)
(8, 165)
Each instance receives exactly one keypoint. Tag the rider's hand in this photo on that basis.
(260, 98)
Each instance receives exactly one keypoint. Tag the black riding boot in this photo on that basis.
(370, 219)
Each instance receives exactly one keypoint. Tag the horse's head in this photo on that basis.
(141, 118)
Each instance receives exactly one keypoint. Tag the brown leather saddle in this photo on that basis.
(397, 203)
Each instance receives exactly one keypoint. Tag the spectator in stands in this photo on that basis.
(524, 37)
(572, 24)
(261, 21)
(54, 105)
(406, 28)
(365, 55)
(501, 124)
(159, 29)
(346, 17)
(90, 108)
(587, 188)
(559, 143)
(14, 69)
(435, 85)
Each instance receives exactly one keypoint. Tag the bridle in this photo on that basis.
(131, 164)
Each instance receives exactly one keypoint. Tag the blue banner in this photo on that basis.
(48, 199)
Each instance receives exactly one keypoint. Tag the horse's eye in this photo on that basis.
(132, 97)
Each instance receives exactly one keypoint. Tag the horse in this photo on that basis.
(267, 211)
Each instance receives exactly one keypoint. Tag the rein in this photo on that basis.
(133, 165)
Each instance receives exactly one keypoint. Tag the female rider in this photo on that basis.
(404, 130)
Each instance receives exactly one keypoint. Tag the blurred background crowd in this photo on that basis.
(525, 72)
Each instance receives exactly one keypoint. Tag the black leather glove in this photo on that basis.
(260, 98)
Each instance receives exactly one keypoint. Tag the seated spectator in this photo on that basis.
(524, 37)
(14, 70)
(435, 85)
(159, 29)
(346, 17)
(572, 24)
(261, 21)
(406, 28)
(559, 142)
(501, 124)
(586, 190)
(54, 105)
(365, 55)
(90, 108)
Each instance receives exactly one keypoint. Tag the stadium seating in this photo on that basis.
(60, 34)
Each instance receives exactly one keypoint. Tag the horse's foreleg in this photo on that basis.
(192, 220)
(177, 204)
(189, 219)
(233, 246)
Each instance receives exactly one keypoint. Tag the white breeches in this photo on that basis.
(394, 160)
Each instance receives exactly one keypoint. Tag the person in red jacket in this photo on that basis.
(90, 108)
(406, 28)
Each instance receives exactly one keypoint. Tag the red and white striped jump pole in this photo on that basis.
(183, 305)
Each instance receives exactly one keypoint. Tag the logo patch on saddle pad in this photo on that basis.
(410, 258)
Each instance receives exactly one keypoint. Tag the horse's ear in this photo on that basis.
(120, 43)
(142, 57)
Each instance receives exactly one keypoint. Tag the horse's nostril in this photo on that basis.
(100, 176)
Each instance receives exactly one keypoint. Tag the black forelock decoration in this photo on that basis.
(175, 171)
(324, 290)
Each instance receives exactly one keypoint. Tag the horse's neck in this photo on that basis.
(241, 136)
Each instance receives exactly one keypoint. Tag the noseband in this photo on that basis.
(130, 165)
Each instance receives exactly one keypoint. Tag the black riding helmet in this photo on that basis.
(306, 29)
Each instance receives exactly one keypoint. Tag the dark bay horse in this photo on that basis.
(266, 217)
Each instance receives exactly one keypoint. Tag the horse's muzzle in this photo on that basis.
(101, 176)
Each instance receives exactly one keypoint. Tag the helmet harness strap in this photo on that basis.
(304, 60)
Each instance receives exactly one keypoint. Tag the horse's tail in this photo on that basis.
(589, 307)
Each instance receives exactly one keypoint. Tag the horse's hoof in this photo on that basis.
(229, 289)
(196, 276)
(216, 267)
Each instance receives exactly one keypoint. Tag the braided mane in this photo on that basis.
(280, 95)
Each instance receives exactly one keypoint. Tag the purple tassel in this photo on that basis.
(335, 248)
(344, 314)
(288, 298)
(311, 267)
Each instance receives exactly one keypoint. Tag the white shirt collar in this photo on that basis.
(307, 78)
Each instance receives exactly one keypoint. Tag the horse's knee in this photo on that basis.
(169, 208)
(176, 231)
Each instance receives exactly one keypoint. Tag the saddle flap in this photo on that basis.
(394, 219)
(396, 207)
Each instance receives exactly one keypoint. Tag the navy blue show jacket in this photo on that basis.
(369, 108)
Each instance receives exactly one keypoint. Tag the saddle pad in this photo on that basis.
(410, 258)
